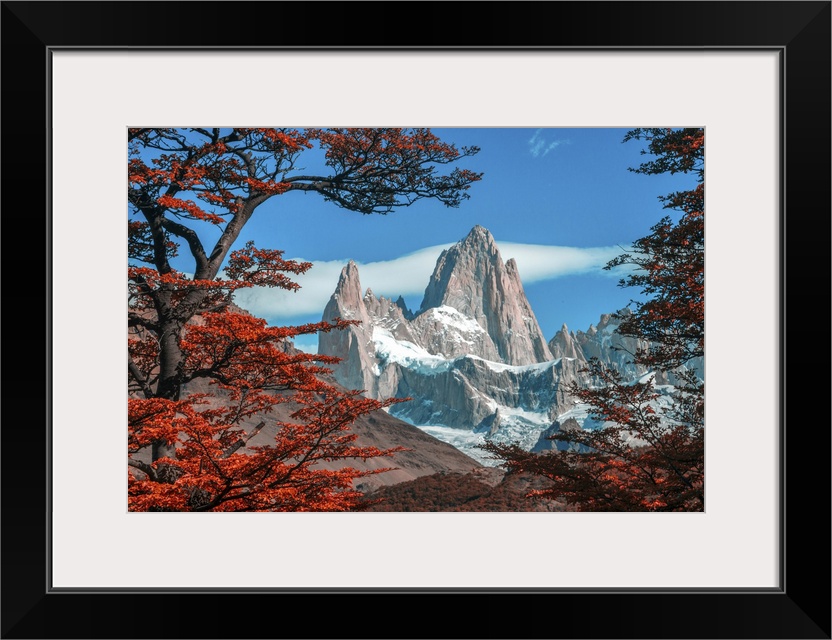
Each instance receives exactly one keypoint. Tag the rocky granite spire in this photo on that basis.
(358, 368)
(352, 345)
(471, 278)
(564, 345)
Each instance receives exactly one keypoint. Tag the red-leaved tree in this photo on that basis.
(649, 453)
(184, 328)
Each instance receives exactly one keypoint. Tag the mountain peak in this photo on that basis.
(478, 232)
(471, 277)
(400, 303)
(348, 274)
(563, 345)
(347, 292)
(479, 239)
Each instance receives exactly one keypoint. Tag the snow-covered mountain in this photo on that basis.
(602, 341)
(473, 359)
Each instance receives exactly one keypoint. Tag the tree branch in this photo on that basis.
(243, 441)
(136, 320)
(133, 369)
(190, 236)
(149, 471)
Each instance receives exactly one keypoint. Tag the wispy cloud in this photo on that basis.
(537, 262)
(409, 274)
(539, 146)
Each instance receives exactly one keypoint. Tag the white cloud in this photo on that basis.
(537, 262)
(409, 274)
(405, 276)
(539, 146)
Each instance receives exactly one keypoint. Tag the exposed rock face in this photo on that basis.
(472, 278)
(444, 331)
(602, 341)
(503, 402)
(474, 305)
(473, 358)
(544, 444)
(354, 345)
(564, 345)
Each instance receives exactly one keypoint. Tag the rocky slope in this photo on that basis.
(424, 454)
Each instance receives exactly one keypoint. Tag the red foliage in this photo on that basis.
(182, 328)
(208, 462)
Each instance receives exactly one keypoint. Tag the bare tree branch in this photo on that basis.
(143, 467)
(243, 441)
(139, 378)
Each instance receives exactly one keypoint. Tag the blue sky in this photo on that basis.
(560, 201)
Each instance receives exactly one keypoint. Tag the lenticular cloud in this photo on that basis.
(408, 275)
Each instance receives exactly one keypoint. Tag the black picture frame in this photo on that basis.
(800, 608)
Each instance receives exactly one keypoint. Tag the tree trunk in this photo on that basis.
(170, 376)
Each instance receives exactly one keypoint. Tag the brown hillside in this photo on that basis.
(482, 490)
(425, 455)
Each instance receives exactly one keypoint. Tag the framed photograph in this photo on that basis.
(753, 77)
